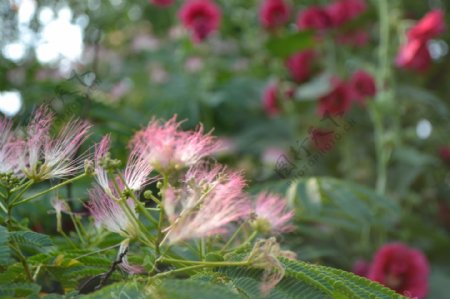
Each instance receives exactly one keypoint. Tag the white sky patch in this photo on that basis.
(59, 40)
(10, 102)
(424, 129)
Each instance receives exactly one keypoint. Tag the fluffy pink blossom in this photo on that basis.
(208, 202)
(414, 55)
(44, 157)
(138, 169)
(300, 65)
(166, 147)
(272, 210)
(162, 3)
(108, 213)
(314, 17)
(402, 269)
(102, 152)
(430, 26)
(201, 17)
(9, 148)
(274, 13)
(342, 11)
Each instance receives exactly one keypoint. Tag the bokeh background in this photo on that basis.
(120, 63)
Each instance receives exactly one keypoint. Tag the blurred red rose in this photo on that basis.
(338, 101)
(342, 11)
(414, 55)
(201, 17)
(162, 3)
(430, 26)
(274, 13)
(300, 64)
(403, 269)
(322, 139)
(362, 85)
(314, 17)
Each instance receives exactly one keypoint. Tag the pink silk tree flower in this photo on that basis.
(430, 26)
(300, 65)
(201, 17)
(108, 213)
(209, 202)
(401, 268)
(10, 149)
(167, 148)
(272, 214)
(414, 55)
(338, 101)
(274, 14)
(314, 17)
(162, 3)
(102, 152)
(44, 157)
(362, 85)
(137, 169)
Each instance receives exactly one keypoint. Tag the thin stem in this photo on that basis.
(230, 241)
(23, 261)
(248, 241)
(139, 204)
(383, 75)
(159, 237)
(204, 263)
(177, 271)
(24, 188)
(50, 189)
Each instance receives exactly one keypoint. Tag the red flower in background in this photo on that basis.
(430, 26)
(322, 139)
(361, 268)
(342, 11)
(444, 153)
(300, 64)
(201, 17)
(162, 3)
(403, 269)
(274, 13)
(414, 55)
(356, 38)
(270, 100)
(362, 85)
(338, 101)
(314, 17)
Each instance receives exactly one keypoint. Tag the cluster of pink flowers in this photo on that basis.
(414, 54)
(399, 267)
(204, 202)
(38, 155)
(339, 100)
(334, 15)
